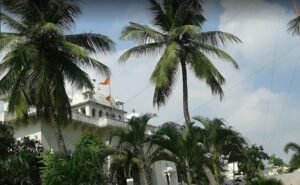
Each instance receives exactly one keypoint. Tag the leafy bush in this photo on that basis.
(19, 160)
(82, 167)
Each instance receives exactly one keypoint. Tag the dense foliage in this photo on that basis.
(251, 162)
(19, 160)
(40, 58)
(84, 166)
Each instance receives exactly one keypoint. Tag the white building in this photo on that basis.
(91, 113)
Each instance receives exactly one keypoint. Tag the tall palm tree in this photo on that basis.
(182, 41)
(184, 142)
(295, 160)
(222, 143)
(135, 144)
(40, 58)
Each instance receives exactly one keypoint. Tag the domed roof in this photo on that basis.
(132, 114)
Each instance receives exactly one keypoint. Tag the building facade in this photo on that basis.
(91, 113)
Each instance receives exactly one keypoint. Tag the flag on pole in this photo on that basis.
(296, 7)
(108, 98)
(106, 81)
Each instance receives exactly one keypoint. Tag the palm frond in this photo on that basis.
(7, 39)
(205, 70)
(92, 42)
(215, 38)
(142, 34)
(190, 30)
(292, 146)
(294, 26)
(164, 74)
(159, 16)
(205, 48)
(12, 23)
(151, 49)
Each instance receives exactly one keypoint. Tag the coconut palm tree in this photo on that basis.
(295, 160)
(40, 58)
(184, 142)
(179, 36)
(222, 143)
(135, 145)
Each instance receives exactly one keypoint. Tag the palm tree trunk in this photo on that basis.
(188, 173)
(185, 93)
(210, 176)
(57, 132)
(143, 176)
(148, 175)
(217, 172)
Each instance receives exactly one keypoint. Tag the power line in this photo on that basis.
(223, 26)
(273, 133)
(272, 77)
(137, 94)
(242, 81)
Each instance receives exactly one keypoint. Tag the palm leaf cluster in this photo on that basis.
(294, 163)
(195, 150)
(40, 58)
(177, 36)
(135, 148)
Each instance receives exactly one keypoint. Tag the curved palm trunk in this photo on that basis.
(185, 93)
(58, 135)
(210, 176)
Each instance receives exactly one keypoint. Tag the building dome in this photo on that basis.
(132, 114)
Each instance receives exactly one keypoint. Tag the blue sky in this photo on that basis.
(262, 98)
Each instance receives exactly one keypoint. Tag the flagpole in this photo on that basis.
(110, 100)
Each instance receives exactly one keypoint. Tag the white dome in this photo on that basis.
(133, 114)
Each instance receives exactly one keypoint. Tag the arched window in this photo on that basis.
(100, 113)
(107, 114)
(113, 115)
(120, 117)
(93, 112)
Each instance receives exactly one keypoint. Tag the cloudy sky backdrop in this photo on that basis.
(261, 98)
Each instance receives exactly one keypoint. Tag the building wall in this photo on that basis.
(71, 133)
(31, 130)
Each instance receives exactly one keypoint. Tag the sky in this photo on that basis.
(262, 98)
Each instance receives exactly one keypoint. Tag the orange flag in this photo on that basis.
(296, 7)
(105, 82)
(108, 98)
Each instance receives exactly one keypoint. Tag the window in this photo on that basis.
(100, 113)
(113, 115)
(93, 112)
(120, 117)
(83, 110)
(107, 114)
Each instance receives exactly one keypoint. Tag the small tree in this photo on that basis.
(19, 160)
(276, 161)
(83, 166)
(295, 160)
(251, 162)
